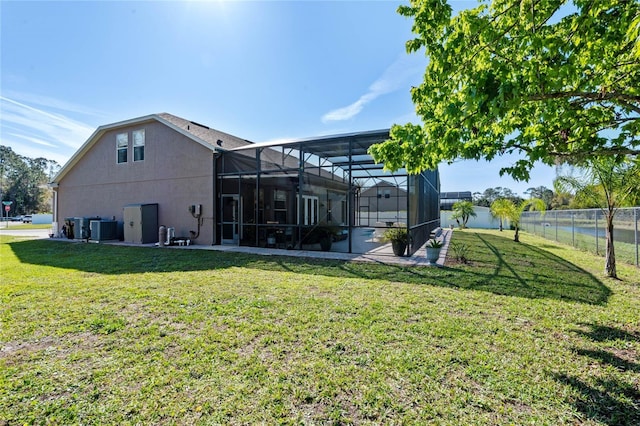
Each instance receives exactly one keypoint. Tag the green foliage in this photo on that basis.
(399, 234)
(486, 198)
(503, 209)
(543, 193)
(315, 234)
(459, 251)
(606, 183)
(107, 323)
(530, 78)
(463, 210)
(433, 243)
(506, 209)
(561, 200)
(23, 180)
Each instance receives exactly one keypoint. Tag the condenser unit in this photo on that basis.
(103, 230)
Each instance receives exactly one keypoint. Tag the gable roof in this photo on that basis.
(216, 139)
(199, 133)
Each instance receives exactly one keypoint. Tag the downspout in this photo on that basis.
(214, 196)
(54, 207)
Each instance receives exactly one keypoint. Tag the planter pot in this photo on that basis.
(433, 254)
(399, 247)
(325, 243)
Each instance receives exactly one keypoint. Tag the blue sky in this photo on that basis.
(258, 70)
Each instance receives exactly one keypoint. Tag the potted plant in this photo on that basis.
(433, 250)
(399, 238)
(322, 234)
(326, 240)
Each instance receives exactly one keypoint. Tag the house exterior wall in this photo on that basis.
(276, 190)
(175, 173)
(384, 198)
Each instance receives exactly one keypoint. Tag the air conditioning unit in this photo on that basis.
(103, 230)
(81, 227)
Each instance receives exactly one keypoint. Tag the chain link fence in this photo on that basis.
(585, 230)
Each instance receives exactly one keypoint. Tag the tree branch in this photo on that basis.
(588, 95)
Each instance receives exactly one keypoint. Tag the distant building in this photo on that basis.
(384, 197)
(448, 199)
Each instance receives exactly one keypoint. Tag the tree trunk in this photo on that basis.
(610, 256)
(500, 224)
(516, 236)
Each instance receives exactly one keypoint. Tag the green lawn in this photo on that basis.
(525, 333)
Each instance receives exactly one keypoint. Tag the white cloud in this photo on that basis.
(51, 103)
(397, 76)
(38, 132)
(37, 141)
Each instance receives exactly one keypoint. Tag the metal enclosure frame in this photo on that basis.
(295, 191)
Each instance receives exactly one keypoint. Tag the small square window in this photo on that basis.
(122, 147)
(138, 145)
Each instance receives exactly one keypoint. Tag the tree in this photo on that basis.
(595, 199)
(492, 194)
(502, 209)
(509, 210)
(463, 210)
(542, 192)
(608, 183)
(23, 180)
(551, 80)
(561, 200)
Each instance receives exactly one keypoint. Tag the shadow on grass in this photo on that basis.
(611, 401)
(503, 266)
(543, 275)
(603, 333)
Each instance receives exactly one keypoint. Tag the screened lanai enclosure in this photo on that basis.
(321, 194)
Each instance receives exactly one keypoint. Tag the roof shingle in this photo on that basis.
(202, 132)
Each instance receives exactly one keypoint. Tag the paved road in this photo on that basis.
(17, 232)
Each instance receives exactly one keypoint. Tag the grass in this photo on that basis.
(523, 334)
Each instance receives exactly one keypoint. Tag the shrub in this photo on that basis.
(433, 243)
(396, 234)
(460, 251)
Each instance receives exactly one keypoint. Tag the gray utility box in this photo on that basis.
(103, 230)
(141, 223)
(81, 230)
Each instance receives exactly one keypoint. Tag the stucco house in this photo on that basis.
(384, 202)
(213, 188)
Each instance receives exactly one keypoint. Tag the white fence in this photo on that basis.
(483, 219)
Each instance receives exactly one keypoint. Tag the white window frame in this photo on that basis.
(310, 204)
(122, 144)
(138, 137)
